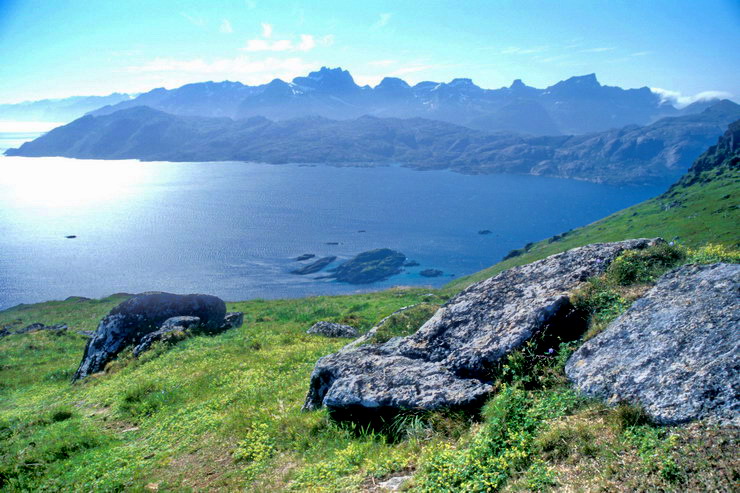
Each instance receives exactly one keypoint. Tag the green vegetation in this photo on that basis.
(224, 411)
(403, 323)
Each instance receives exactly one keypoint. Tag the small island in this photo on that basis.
(485, 232)
(314, 267)
(368, 267)
(305, 256)
(431, 273)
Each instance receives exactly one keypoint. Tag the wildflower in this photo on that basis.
(550, 351)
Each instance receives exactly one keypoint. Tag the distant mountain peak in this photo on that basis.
(518, 84)
(588, 80)
(462, 82)
(392, 82)
(328, 79)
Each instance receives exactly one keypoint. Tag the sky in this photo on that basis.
(58, 48)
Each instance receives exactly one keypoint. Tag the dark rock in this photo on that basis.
(675, 352)
(233, 320)
(361, 231)
(172, 330)
(31, 328)
(34, 327)
(314, 267)
(485, 232)
(131, 320)
(449, 361)
(431, 273)
(411, 263)
(372, 266)
(331, 329)
(332, 243)
(305, 256)
(71, 237)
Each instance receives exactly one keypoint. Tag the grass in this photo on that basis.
(223, 412)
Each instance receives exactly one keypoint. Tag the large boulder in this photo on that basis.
(128, 322)
(449, 361)
(675, 352)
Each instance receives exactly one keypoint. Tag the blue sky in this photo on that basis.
(58, 48)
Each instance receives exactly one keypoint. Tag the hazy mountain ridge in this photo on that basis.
(58, 110)
(659, 152)
(577, 105)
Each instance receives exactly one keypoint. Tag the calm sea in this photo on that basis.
(232, 229)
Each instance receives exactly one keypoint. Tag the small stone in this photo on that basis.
(331, 329)
(394, 484)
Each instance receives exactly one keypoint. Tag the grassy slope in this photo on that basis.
(224, 411)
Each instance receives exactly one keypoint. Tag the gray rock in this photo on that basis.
(394, 484)
(34, 327)
(331, 329)
(131, 320)
(313, 267)
(448, 362)
(675, 352)
(174, 329)
(181, 322)
(233, 320)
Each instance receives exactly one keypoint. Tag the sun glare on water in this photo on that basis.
(60, 183)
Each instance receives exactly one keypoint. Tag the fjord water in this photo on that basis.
(232, 229)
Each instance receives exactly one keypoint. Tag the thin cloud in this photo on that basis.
(172, 72)
(382, 63)
(383, 20)
(195, 20)
(641, 53)
(518, 50)
(598, 50)
(679, 100)
(266, 30)
(226, 27)
(305, 42)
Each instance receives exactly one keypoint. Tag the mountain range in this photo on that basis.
(577, 105)
(58, 110)
(656, 153)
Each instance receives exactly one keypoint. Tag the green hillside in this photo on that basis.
(223, 412)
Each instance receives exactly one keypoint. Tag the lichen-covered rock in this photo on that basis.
(233, 320)
(675, 352)
(448, 361)
(173, 329)
(131, 320)
(331, 329)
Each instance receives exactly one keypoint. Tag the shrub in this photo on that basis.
(711, 253)
(643, 266)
